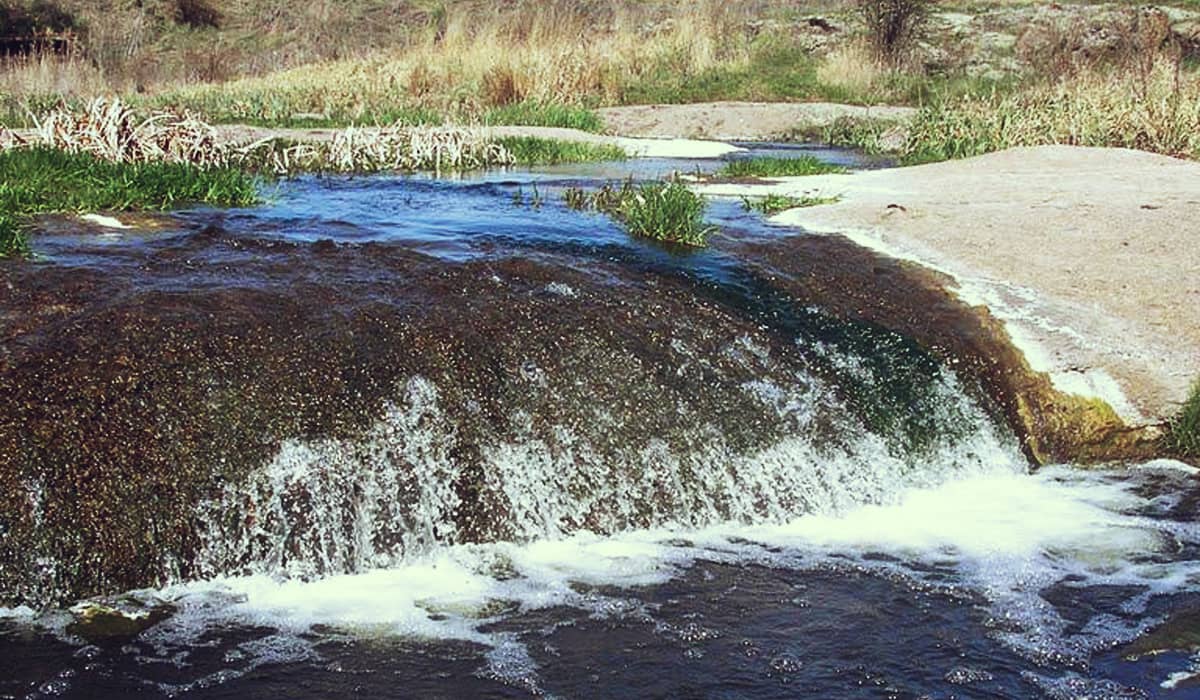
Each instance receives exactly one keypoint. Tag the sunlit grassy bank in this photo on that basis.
(40, 181)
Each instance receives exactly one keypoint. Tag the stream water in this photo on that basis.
(598, 468)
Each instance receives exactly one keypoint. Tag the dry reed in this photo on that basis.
(112, 131)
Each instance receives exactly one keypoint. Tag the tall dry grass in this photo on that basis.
(37, 81)
(113, 132)
(475, 56)
(852, 67)
(46, 73)
(1156, 109)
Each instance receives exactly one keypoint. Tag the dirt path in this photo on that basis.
(737, 121)
(1091, 256)
(709, 121)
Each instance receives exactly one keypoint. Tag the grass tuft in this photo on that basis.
(43, 180)
(544, 114)
(1183, 435)
(662, 211)
(532, 150)
(778, 167)
(775, 203)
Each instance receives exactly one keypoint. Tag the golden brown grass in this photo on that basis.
(851, 67)
(45, 73)
(1156, 109)
(483, 55)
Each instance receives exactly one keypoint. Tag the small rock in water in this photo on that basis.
(1180, 633)
(96, 621)
(105, 221)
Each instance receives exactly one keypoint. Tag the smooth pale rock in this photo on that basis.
(1089, 256)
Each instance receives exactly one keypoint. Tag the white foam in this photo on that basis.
(1002, 514)
(21, 612)
(1006, 536)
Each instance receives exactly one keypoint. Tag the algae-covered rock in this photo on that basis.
(96, 622)
(212, 407)
(1179, 633)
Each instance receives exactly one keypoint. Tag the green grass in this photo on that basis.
(775, 203)
(41, 181)
(531, 150)
(13, 242)
(778, 167)
(1183, 435)
(544, 114)
(779, 69)
(666, 212)
(662, 211)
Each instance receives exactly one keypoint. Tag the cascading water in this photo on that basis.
(470, 448)
(340, 506)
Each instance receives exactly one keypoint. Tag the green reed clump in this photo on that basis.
(778, 167)
(44, 180)
(663, 211)
(532, 150)
(1183, 435)
(775, 203)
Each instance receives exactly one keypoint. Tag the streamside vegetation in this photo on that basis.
(533, 150)
(1183, 433)
(43, 180)
(662, 211)
(1155, 110)
(774, 203)
(367, 62)
(777, 167)
(108, 157)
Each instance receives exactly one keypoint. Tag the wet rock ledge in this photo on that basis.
(138, 382)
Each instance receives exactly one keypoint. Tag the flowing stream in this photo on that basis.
(513, 452)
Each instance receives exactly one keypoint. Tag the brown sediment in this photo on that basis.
(914, 301)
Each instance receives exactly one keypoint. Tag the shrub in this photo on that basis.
(197, 14)
(894, 26)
